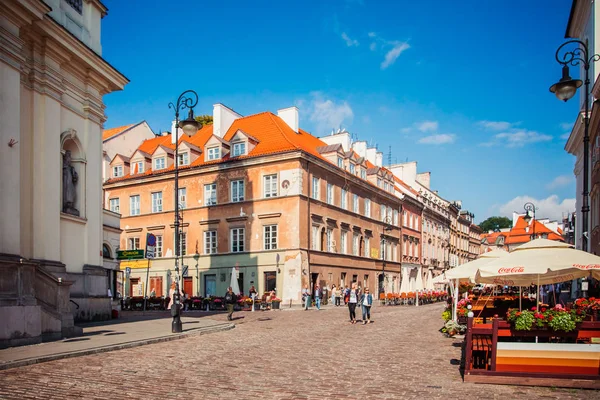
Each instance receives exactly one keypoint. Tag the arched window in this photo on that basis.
(106, 251)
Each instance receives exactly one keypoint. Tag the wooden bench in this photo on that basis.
(482, 350)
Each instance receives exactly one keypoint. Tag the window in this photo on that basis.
(330, 246)
(405, 218)
(270, 235)
(133, 243)
(368, 208)
(237, 240)
(117, 171)
(106, 251)
(159, 163)
(329, 193)
(77, 5)
(386, 186)
(210, 242)
(270, 185)
(114, 205)
(315, 188)
(134, 205)
(214, 153)
(182, 243)
(343, 243)
(367, 247)
(182, 197)
(315, 240)
(159, 246)
(382, 250)
(355, 244)
(383, 210)
(237, 191)
(340, 162)
(344, 195)
(355, 203)
(379, 182)
(389, 214)
(363, 173)
(210, 194)
(156, 202)
(138, 167)
(239, 149)
(396, 217)
(183, 158)
(352, 169)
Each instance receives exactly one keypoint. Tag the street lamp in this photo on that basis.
(529, 207)
(565, 89)
(190, 126)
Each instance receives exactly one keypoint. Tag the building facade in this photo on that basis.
(53, 80)
(122, 140)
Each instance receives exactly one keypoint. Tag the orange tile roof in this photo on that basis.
(108, 133)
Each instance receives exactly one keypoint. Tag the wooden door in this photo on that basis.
(156, 284)
(188, 286)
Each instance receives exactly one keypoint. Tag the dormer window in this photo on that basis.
(340, 162)
(352, 169)
(379, 183)
(159, 163)
(183, 158)
(117, 171)
(214, 153)
(239, 149)
(363, 173)
(386, 186)
(138, 167)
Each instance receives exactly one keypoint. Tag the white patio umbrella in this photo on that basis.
(429, 284)
(419, 281)
(441, 279)
(540, 262)
(235, 287)
(405, 284)
(468, 271)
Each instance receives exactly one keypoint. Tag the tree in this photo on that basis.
(493, 223)
(204, 119)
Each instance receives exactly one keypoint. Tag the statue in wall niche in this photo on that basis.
(70, 179)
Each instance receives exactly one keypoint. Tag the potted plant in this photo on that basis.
(275, 303)
(452, 328)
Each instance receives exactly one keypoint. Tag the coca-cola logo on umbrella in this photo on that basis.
(589, 266)
(513, 270)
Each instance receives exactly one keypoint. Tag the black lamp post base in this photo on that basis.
(176, 325)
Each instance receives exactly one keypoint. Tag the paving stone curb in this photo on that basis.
(120, 346)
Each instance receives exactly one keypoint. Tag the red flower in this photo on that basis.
(543, 309)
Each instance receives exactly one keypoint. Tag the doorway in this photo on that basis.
(240, 280)
(133, 287)
(210, 285)
(188, 286)
(381, 288)
(270, 281)
(156, 284)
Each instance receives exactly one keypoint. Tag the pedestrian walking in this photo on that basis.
(333, 289)
(338, 296)
(229, 302)
(317, 295)
(366, 301)
(306, 297)
(346, 295)
(352, 301)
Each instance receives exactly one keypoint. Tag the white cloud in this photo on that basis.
(349, 42)
(437, 139)
(328, 114)
(567, 126)
(427, 126)
(560, 181)
(373, 46)
(565, 135)
(372, 34)
(392, 55)
(550, 207)
(496, 125)
(521, 137)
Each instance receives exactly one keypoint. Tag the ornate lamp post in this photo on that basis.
(565, 89)
(529, 207)
(190, 126)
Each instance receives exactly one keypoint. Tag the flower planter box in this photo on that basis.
(275, 305)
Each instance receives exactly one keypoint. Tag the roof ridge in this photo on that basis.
(271, 115)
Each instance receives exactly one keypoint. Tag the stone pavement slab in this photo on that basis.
(110, 335)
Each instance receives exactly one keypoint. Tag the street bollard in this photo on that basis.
(417, 302)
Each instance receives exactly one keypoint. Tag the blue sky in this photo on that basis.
(460, 87)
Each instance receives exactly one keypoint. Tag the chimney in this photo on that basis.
(223, 118)
(372, 155)
(341, 137)
(360, 148)
(174, 132)
(379, 159)
(290, 117)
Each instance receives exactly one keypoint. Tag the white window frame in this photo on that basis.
(352, 168)
(238, 149)
(344, 201)
(382, 212)
(182, 243)
(213, 153)
(210, 241)
(270, 186)
(159, 246)
(118, 171)
(133, 243)
(355, 244)
(329, 236)
(344, 242)
(237, 239)
(140, 167)
(330, 193)
(157, 205)
(363, 173)
(340, 162)
(368, 208)
(367, 247)
(182, 198)
(132, 203)
(210, 194)
(315, 188)
(161, 161)
(396, 217)
(270, 236)
(115, 205)
(183, 158)
(355, 203)
(235, 186)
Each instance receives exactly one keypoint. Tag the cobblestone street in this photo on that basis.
(279, 355)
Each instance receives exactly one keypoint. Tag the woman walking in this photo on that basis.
(338, 296)
(352, 301)
(333, 294)
(366, 301)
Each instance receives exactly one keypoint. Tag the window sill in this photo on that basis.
(79, 220)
